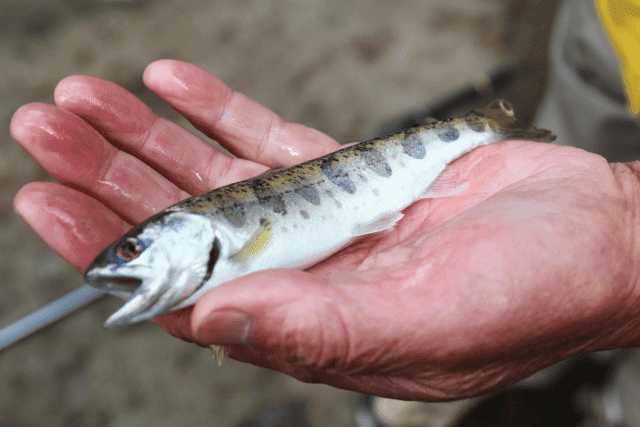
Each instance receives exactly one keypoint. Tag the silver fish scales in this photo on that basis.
(287, 218)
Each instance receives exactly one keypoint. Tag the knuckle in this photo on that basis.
(319, 340)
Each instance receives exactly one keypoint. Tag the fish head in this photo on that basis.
(156, 266)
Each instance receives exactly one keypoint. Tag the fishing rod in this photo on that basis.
(48, 314)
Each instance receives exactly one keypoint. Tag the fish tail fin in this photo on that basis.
(501, 112)
(529, 134)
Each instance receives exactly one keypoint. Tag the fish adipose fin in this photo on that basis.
(501, 112)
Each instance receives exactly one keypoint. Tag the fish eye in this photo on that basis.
(129, 249)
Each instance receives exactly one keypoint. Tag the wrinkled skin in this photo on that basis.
(536, 261)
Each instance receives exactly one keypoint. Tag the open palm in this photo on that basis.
(536, 260)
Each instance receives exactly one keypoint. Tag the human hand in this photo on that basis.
(533, 263)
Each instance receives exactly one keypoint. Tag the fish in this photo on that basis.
(293, 217)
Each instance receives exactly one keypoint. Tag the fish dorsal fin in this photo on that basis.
(426, 121)
(256, 243)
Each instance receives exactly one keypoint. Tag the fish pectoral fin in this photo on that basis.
(381, 223)
(451, 182)
(256, 243)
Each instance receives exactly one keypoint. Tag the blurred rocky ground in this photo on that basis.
(342, 67)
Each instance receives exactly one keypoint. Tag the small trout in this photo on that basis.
(287, 218)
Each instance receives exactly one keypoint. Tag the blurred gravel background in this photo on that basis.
(342, 67)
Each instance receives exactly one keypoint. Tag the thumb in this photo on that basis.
(287, 314)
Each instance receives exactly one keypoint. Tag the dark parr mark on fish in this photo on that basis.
(413, 146)
(264, 193)
(304, 214)
(235, 214)
(310, 194)
(376, 162)
(331, 169)
(275, 203)
(447, 133)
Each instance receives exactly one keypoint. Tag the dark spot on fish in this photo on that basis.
(309, 193)
(377, 163)
(447, 133)
(304, 214)
(262, 221)
(338, 204)
(475, 124)
(330, 194)
(362, 177)
(413, 146)
(331, 169)
(235, 214)
(263, 191)
(376, 192)
(275, 203)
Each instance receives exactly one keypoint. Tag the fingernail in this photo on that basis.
(225, 327)
(165, 76)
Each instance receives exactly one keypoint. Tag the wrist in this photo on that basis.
(625, 315)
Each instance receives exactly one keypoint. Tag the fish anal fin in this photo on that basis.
(451, 182)
(256, 243)
(381, 223)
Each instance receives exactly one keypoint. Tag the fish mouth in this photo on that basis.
(145, 297)
(120, 286)
(141, 297)
(148, 292)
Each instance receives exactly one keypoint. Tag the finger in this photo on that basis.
(75, 154)
(182, 157)
(294, 316)
(75, 225)
(243, 126)
(177, 323)
(301, 325)
(221, 317)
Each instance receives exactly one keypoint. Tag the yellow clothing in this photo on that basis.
(621, 20)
